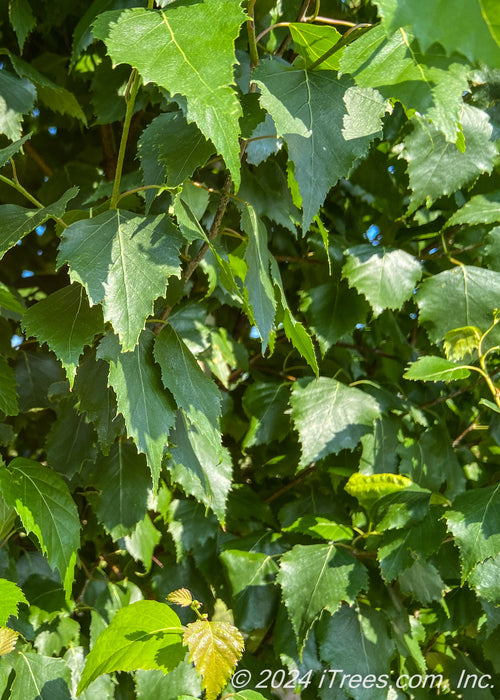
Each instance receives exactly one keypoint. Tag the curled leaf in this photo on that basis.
(180, 597)
(215, 648)
(8, 639)
(461, 341)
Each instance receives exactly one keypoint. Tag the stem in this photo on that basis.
(252, 41)
(315, 13)
(130, 95)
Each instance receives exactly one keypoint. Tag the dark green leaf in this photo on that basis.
(123, 260)
(18, 97)
(22, 20)
(46, 508)
(40, 678)
(8, 393)
(148, 410)
(9, 151)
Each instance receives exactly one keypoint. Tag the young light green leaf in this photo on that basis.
(8, 639)
(182, 597)
(146, 634)
(463, 296)
(437, 167)
(141, 543)
(312, 41)
(148, 409)
(321, 527)
(257, 279)
(367, 489)
(123, 260)
(46, 508)
(191, 388)
(215, 648)
(310, 111)
(66, 322)
(164, 53)
(461, 341)
(314, 578)
(8, 392)
(16, 222)
(435, 369)
(385, 276)
(329, 416)
(10, 597)
(472, 520)
(428, 83)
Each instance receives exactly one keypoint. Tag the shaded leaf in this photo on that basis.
(486, 579)
(12, 149)
(22, 20)
(480, 209)
(148, 410)
(8, 393)
(473, 521)
(40, 678)
(123, 260)
(144, 635)
(164, 53)
(329, 416)
(214, 648)
(18, 97)
(317, 577)
(66, 322)
(385, 276)
(16, 222)
(422, 581)
(46, 508)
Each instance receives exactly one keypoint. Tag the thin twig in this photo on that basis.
(292, 483)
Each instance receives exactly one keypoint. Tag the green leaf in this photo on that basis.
(123, 260)
(97, 400)
(44, 504)
(190, 526)
(265, 405)
(9, 151)
(201, 71)
(103, 688)
(182, 376)
(22, 20)
(435, 369)
(16, 222)
(486, 581)
(317, 577)
(65, 321)
(142, 541)
(329, 416)
(357, 641)
(54, 96)
(148, 410)
(385, 276)
(489, 10)
(422, 581)
(10, 597)
(461, 341)
(437, 167)
(35, 372)
(251, 575)
(123, 480)
(40, 678)
(70, 441)
(214, 648)
(480, 209)
(473, 522)
(199, 463)
(18, 98)
(465, 31)
(144, 635)
(172, 148)
(155, 684)
(462, 296)
(428, 83)
(320, 527)
(257, 280)
(8, 392)
(368, 489)
(332, 309)
(312, 41)
(326, 122)
(9, 301)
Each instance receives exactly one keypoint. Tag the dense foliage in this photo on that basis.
(249, 305)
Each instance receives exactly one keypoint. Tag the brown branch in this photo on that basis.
(32, 153)
(292, 483)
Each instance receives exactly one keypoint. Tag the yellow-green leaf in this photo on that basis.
(8, 639)
(214, 648)
(181, 597)
(369, 488)
(461, 341)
